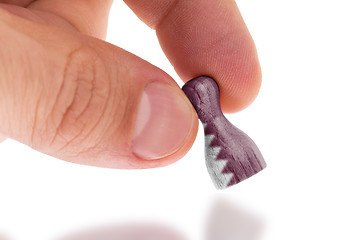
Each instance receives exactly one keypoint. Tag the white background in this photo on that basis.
(295, 121)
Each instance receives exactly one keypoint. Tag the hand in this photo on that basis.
(66, 93)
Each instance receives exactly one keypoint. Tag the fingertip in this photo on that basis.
(140, 163)
(239, 77)
(164, 121)
(108, 159)
(183, 150)
(164, 125)
(212, 39)
(241, 89)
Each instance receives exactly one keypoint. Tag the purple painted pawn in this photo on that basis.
(231, 155)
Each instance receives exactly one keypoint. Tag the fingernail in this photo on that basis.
(164, 122)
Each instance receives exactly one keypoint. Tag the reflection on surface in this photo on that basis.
(2, 237)
(128, 232)
(227, 221)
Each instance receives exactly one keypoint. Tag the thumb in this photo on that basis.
(80, 99)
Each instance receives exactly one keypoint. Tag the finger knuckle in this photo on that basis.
(81, 100)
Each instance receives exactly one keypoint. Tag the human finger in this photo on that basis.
(206, 38)
(83, 100)
(87, 16)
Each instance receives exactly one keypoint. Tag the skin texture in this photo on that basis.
(61, 85)
(207, 38)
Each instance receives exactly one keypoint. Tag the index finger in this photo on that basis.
(206, 38)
